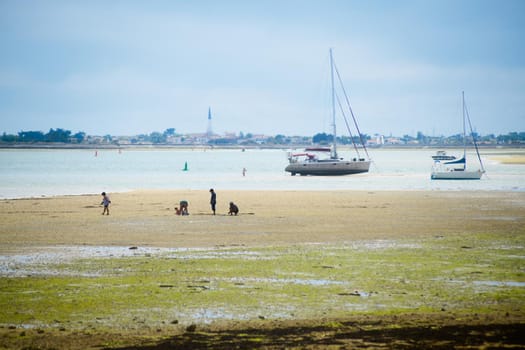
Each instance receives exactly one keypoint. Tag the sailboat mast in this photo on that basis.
(334, 150)
(472, 133)
(464, 127)
(363, 143)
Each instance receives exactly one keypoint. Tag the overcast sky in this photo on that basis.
(132, 67)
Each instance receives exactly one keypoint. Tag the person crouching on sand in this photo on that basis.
(183, 208)
(234, 210)
(105, 202)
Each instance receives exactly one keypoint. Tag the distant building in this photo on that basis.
(209, 130)
(377, 140)
(391, 140)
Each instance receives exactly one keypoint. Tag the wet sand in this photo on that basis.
(147, 218)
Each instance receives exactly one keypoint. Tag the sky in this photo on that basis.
(135, 67)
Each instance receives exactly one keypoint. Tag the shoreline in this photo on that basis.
(315, 190)
(58, 146)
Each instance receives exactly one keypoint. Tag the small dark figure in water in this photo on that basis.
(234, 210)
(105, 202)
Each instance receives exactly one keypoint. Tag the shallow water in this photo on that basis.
(33, 173)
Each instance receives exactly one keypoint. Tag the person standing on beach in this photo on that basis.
(105, 202)
(213, 200)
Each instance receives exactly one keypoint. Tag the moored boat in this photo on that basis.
(457, 169)
(325, 160)
(317, 162)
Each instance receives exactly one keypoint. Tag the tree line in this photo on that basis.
(66, 136)
(54, 135)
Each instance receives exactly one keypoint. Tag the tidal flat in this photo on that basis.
(168, 290)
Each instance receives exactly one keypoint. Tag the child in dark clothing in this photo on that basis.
(234, 210)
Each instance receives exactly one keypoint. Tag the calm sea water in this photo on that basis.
(30, 173)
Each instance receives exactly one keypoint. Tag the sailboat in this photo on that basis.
(457, 169)
(325, 160)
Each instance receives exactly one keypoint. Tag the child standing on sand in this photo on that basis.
(105, 202)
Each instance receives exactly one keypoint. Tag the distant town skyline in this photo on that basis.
(132, 67)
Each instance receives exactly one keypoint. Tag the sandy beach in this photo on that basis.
(147, 218)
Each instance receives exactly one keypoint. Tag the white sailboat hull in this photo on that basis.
(456, 175)
(328, 167)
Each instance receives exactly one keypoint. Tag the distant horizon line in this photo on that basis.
(238, 134)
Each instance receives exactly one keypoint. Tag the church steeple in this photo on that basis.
(209, 131)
